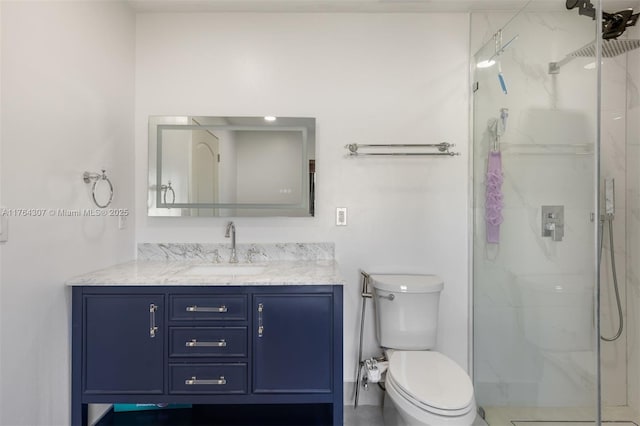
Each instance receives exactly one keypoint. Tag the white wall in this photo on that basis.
(67, 106)
(368, 78)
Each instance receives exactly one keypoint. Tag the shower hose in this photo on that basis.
(609, 218)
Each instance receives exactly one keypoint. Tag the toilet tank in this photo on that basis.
(406, 308)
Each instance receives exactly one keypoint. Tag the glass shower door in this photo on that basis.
(534, 173)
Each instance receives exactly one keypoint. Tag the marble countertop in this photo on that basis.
(177, 272)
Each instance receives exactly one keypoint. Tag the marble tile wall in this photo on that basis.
(246, 253)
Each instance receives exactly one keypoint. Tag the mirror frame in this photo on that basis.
(158, 208)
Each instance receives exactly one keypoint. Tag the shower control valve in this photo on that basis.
(553, 222)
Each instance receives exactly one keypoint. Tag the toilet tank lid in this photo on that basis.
(407, 283)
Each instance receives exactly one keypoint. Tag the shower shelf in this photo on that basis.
(546, 149)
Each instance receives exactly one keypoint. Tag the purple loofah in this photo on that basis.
(493, 202)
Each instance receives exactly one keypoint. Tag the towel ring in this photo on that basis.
(88, 177)
(167, 188)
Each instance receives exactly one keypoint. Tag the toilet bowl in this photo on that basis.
(427, 388)
(423, 387)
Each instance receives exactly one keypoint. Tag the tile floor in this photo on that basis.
(371, 415)
(364, 415)
(572, 424)
(530, 416)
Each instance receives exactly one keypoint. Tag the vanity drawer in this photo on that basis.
(208, 341)
(208, 307)
(208, 378)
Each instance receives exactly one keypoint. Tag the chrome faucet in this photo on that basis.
(231, 232)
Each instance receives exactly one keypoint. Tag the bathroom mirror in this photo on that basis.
(231, 166)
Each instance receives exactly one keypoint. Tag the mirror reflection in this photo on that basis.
(231, 166)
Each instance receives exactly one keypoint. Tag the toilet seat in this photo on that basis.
(431, 382)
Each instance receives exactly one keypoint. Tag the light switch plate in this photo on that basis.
(341, 216)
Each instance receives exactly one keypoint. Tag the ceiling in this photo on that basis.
(367, 6)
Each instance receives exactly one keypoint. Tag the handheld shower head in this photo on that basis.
(609, 197)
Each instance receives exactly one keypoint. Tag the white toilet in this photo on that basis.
(424, 387)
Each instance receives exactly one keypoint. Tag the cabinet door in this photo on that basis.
(123, 344)
(292, 343)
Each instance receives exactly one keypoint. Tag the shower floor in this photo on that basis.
(531, 416)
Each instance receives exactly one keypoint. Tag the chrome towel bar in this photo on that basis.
(413, 149)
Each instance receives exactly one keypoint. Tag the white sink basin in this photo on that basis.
(215, 269)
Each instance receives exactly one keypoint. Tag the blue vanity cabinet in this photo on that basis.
(293, 343)
(254, 345)
(124, 344)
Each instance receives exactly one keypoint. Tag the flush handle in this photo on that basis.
(389, 296)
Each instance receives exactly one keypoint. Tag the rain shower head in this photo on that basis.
(613, 24)
(610, 49)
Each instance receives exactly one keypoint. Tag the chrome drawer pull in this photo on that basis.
(153, 328)
(194, 381)
(195, 308)
(260, 324)
(194, 343)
